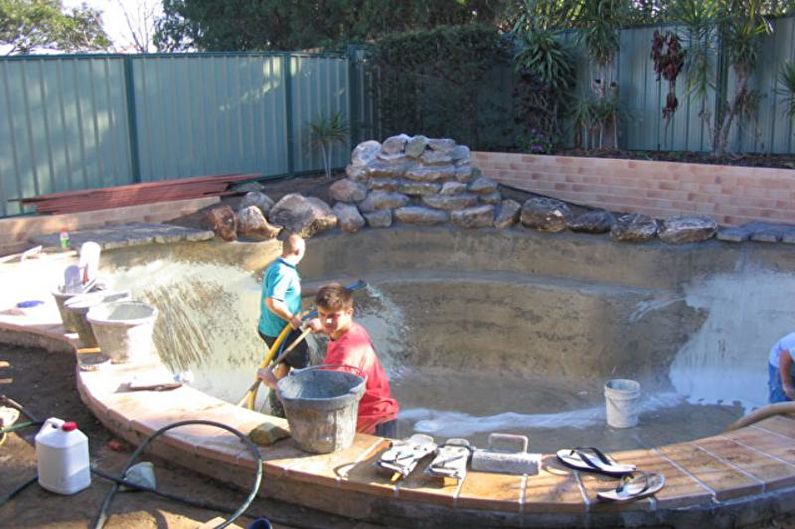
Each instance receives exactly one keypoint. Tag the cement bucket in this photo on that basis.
(622, 397)
(78, 306)
(321, 406)
(123, 329)
(61, 297)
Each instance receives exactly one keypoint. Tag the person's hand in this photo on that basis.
(315, 325)
(789, 391)
(295, 322)
(267, 377)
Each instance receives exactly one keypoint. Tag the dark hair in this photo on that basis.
(334, 297)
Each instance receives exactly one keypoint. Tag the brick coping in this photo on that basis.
(751, 467)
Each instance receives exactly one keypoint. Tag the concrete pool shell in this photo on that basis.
(726, 480)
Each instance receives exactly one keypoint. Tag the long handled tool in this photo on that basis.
(251, 395)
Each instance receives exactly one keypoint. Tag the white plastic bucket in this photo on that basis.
(62, 457)
(123, 329)
(622, 397)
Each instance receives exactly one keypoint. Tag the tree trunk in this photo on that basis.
(722, 133)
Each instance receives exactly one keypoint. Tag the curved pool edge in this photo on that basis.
(729, 480)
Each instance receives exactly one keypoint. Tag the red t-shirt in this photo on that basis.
(355, 349)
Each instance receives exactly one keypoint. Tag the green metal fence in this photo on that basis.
(82, 121)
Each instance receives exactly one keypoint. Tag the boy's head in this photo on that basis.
(294, 247)
(334, 308)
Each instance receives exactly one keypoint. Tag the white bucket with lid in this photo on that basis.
(622, 398)
(62, 457)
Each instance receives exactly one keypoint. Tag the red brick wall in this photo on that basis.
(729, 194)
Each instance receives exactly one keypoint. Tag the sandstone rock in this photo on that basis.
(365, 153)
(395, 144)
(356, 172)
(436, 158)
(381, 218)
(393, 159)
(483, 185)
(382, 169)
(248, 187)
(430, 174)
(223, 222)
(256, 198)
(460, 154)
(598, 221)
(441, 144)
(420, 215)
(453, 188)
(346, 190)
(687, 229)
(385, 184)
(507, 214)
(477, 217)
(348, 217)
(545, 214)
(491, 198)
(251, 222)
(416, 146)
(464, 173)
(408, 187)
(634, 227)
(450, 202)
(382, 200)
(305, 216)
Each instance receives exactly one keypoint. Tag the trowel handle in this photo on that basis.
(507, 442)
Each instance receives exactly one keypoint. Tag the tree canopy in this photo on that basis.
(301, 24)
(28, 25)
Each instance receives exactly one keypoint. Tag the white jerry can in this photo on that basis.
(62, 457)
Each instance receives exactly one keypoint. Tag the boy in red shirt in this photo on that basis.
(350, 345)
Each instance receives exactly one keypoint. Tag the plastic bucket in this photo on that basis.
(622, 397)
(78, 306)
(123, 329)
(321, 406)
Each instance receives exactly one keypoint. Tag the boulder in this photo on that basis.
(507, 214)
(430, 174)
(436, 158)
(460, 154)
(347, 190)
(395, 144)
(483, 185)
(348, 216)
(453, 188)
(384, 184)
(393, 159)
(683, 229)
(365, 153)
(247, 187)
(492, 198)
(381, 169)
(477, 217)
(597, 221)
(305, 216)
(416, 146)
(356, 172)
(252, 223)
(223, 221)
(408, 187)
(450, 202)
(464, 173)
(381, 218)
(256, 198)
(634, 227)
(445, 145)
(420, 215)
(382, 200)
(545, 214)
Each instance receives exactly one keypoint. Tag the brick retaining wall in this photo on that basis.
(731, 195)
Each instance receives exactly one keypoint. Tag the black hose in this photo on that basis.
(103, 511)
(11, 403)
(20, 488)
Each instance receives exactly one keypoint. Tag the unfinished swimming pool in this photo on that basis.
(501, 331)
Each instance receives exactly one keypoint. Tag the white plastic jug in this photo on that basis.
(62, 457)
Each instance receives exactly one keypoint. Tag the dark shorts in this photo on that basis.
(298, 357)
(387, 429)
(774, 386)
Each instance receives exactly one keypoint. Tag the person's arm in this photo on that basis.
(785, 372)
(280, 309)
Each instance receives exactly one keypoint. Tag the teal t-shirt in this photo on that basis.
(282, 283)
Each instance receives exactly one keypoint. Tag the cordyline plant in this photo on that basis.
(786, 79)
(326, 131)
(669, 59)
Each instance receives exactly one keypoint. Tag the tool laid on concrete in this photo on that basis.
(403, 456)
(451, 460)
(506, 454)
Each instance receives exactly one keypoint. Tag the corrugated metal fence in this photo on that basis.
(76, 122)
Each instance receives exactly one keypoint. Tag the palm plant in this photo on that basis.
(786, 79)
(325, 131)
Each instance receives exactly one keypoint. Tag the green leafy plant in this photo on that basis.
(786, 81)
(326, 131)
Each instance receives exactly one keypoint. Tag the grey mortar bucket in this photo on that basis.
(622, 398)
(61, 297)
(124, 329)
(321, 406)
(79, 305)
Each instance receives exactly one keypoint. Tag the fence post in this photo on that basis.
(354, 97)
(132, 120)
(288, 111)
